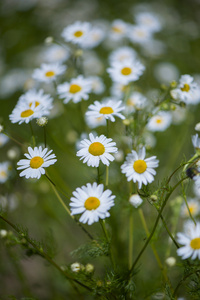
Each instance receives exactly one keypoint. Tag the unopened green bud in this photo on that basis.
(173, 84)
(154, 198)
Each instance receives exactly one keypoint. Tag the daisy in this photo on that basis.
(139, 169)
(191, 243)
(92, 202)
(160, 122)
(98, 86)
(194, 208)
(136, 101)
(48, 72)
(186, 90)
(76, 33)
(5, 168)
(56, 54)
(118, 30)
(37, 160)
(138, 34)
(126, 71)
(196, 141)
(94, 122)
(76, 90)
(3, 139)
(122, 53)
(118, 90)
(25, 113)
(38, 99)
(148, 20)
(96, 149)
(108, 110)
(94, 38)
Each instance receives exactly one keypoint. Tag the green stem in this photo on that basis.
(102, 222)
(45, 137)
(107, 175)
(107, 128)
(32, 134)
(130, 261)
(155, 225)
(13, 139)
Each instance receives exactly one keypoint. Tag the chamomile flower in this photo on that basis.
(191, 243)
(118, 90)
(196, 141)
(118, 30)
(56, 54)
(121, 54)
(48, 72)
(138, 34)
(37, 160)
(108, 110)
(149, 21)
(186, 90)
(136, 101)
(96, 149)
(126, 71)
(193, 206)
(75, 90)
(139, 169)
(25, 113)
(34, 99)
(160, 122)
(92, 202)
(76, 33)
(5, 168)
(98, 86)
(94, 38)
(94, 122)
(3, 139)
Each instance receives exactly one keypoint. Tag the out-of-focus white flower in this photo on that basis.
(118, 30)
(77, 33)
(5, 169)
(56, 54)
(166, 72)
(98, 86)
(138, 34)
(122, 53)
(193, 206)
(3, 139)
(136, 101)
(160, 122)
(48, 72)
(148, 20)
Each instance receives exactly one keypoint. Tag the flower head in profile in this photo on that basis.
(76, 90)
(76, 33)
(96, 149)
(48, 72)
(5, 168)
(92, 202)
(190, 241)
(138, 168)
(37, 160)
(108, 110)
(126, 71)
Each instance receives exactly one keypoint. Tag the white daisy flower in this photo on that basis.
(56, 54)
(121, 54)
(118, 90)
(98, 86)
(126, 71)
(92, 202)
(186, 91)
(138, 34)
(94, 122)
(76, 90)
(135, 200)
(96, 149)
(139, 169)
(76, 33)
(190, 242)
(194, 208)
(149, 21)
(3, 139)
(34, 98)
(118, 30)
(108, 110)
(136, 101)
(196, 141)
(37, 160)
(25, 113)
(160, 122)
(5, 168)
(48, 72)
(94, 38)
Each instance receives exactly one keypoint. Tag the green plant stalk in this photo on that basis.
(102, 222)
(32, 133)
(46, 256)
(155, 225)
(186, 203)
(45, 137)
(107, 176)
(130, 248)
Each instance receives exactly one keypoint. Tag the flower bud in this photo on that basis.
(42, 121)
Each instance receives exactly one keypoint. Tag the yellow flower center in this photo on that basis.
(49, 73)
(130, 102)
(92, 203)
(126, 71)
(36, 162)
(140, 166)
(195, 243)
(34, 102)
(78, 33)
(106, 110)
(3, 174)
(158, 121)
(74, 88)
(116, 29)
(27, 113)
(96, 149)
(185, 88)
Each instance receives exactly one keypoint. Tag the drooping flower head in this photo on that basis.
(37, 160)
(96, 149)
(138, 168)
(92, 202)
